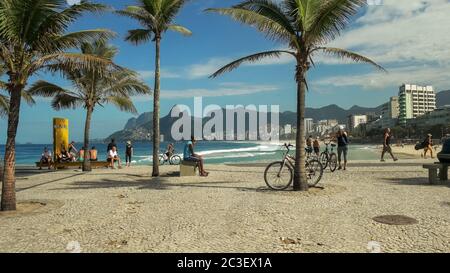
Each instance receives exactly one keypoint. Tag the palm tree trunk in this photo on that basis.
(156, 133)
(300, 181)
(8, 201)
(87, 126)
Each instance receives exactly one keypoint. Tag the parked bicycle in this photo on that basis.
(173, 160)
(329, 158)
(279, 175)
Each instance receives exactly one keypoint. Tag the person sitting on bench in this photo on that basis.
(46, 159)
(73, 151)
(93, 154)
(64, 156)
(190, 155)
(113, 156)
(81, 155)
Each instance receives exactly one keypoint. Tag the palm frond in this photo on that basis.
(72, 62)
(123, 103)
(139, 36)
(66, 101)
(4, 105)
(180, 29)
(271, 25)
(140, 14)
(251, 59)
(126, 83)
(329, 18)
(345, 54)
(45, 89)
(28, 98)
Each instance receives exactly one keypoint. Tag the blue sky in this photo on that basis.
(402, 35)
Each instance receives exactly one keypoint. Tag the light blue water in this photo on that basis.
(213, 152)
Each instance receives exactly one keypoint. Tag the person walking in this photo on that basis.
(428, 143)
(387, 145)
(129, 150)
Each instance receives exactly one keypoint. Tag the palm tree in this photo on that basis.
(90, 89)
(34, 38)
(156, 17)
(305, 26)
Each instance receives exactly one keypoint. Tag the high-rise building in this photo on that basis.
(415, 101)
(394, 108)
(356, 120)
(309, 124)
(390, 112)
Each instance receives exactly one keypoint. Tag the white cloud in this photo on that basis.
(409, 37)
(204, 70)
(225, 89)
(165, 74)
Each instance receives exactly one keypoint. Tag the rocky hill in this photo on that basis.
(139, 129)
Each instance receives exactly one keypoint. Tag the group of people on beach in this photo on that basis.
(341, 138)
(113, 154)
(72, 154)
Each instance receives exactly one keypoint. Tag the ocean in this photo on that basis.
(214, 152)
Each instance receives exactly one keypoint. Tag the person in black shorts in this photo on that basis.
(387, 145)
(128, 153)
(111, 145)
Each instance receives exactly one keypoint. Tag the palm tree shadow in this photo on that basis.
(154, 183)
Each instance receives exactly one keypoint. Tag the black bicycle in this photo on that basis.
(329, 158)
(279, 175)
(173, 160)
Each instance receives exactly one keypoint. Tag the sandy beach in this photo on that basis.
(230, 211)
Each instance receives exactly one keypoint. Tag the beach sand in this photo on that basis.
(230, 211)
(410, 152)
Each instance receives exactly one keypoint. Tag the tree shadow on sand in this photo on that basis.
(415, 181)
(154, 183)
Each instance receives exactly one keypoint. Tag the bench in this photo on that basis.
(188, 168)
(433, 172)
(76, 165)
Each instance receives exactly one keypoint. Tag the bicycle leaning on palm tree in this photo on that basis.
(279, 175)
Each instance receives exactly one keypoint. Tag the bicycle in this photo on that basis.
(328, 158)
(279, 175)
(173, 160)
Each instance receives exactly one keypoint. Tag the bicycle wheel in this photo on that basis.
(333, 162)
(161, 160)
(314, 172)
(278, 176)
(324, 159)
(175, 160)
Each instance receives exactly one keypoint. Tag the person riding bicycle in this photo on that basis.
(170, 150)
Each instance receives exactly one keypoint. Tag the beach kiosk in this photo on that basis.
(60, 141)
(60, 136)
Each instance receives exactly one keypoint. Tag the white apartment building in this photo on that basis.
(356, 120)
(309, 125)
(415, 101)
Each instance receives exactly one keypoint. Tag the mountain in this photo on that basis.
(140, 128)
(443, 98)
